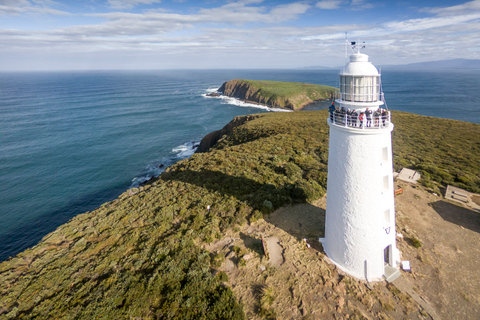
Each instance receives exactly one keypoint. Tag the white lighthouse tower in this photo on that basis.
(360, 217)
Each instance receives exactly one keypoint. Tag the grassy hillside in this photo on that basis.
(444, 151)
(142, 256)
(278, 94)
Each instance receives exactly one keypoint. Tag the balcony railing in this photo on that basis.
(355, 121)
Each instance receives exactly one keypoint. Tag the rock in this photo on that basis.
(213, 137)
(244, 90)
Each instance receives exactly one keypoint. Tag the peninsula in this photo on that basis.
(188, 245)
(277, 94)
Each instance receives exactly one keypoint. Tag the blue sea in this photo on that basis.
(70, 141)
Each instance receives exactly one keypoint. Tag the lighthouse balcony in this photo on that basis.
(374, 122)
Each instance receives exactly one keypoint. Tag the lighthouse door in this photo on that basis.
(386, 254)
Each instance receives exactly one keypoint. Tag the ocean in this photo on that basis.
(70, 141)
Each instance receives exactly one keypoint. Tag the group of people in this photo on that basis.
(352, 118)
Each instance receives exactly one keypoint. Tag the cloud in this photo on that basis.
(240, 13)
(249, 28)
(428, 23)
(129, 4)
(17, 7)
(362, 5)
(465, 8)
(287, 12)
(155, 22)
(329, 4)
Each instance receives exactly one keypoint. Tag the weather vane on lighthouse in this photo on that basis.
(360, 233)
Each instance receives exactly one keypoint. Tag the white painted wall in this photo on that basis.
(359, 192)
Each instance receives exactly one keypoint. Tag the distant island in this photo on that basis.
(452, 64)
(276, 94)
(189, 244)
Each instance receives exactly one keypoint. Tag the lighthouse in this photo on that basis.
(360, 235)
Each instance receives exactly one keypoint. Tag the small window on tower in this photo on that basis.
(385, 154)
(387, 218)
(386, 185)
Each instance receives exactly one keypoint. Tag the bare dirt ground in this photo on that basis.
(446, 267)
(297, 281)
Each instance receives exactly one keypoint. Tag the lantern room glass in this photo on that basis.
(360, 88)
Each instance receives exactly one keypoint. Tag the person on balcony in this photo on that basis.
(331, 109)
(384, 116)
(362, 119)
(354, 116)
(349, 117)
(368, 114)
(337, 116)
(376, 117)
(342, 115)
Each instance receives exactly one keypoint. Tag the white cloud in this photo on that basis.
(14, 3)
(287, 12)
(362, 5)
(329, 4)
(428, 23)
(17, 7)
(250, 29)
(129, 4)
(465, 8)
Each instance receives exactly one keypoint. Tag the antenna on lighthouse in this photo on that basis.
(356, 46)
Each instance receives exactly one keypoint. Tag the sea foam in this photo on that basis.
(153, 170)
(239, 103)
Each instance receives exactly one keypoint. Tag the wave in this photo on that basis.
(156, 168)
(186, 150)
(212, 90)
(239, 103)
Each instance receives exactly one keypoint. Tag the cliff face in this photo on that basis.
(260, 92)
(213, 137)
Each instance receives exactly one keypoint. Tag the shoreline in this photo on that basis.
(156, 236)
(218, 94)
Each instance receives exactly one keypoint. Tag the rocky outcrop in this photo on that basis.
(254, 92)
(213, 137)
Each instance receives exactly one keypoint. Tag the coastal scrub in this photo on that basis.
(142, 255)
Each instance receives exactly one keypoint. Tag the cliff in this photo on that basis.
(277, 94)
(213, 137)
(188, 245)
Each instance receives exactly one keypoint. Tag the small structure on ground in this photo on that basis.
(409, 175)
(360, 235)
(467, 199)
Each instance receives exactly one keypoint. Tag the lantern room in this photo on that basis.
(360, 83)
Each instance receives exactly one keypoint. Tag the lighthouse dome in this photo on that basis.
(359, 65)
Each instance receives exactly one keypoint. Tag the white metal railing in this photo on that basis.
(361, 121)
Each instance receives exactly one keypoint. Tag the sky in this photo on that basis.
(207, 34)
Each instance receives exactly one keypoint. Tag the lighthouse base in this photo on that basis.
(390, 274)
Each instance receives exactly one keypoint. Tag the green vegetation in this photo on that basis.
(141, 256)
(305, 92)
(414, 242)
(278, 94)
(445, 152)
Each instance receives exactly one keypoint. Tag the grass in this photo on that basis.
(280, 94)
(141, 256)
(445, 152)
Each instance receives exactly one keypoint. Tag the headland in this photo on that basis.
(276, 94)
(189, 243)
